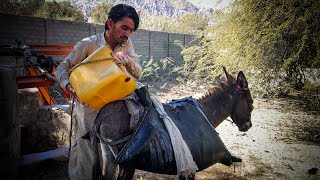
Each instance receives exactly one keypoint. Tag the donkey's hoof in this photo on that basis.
(187, 177)
(235, 159)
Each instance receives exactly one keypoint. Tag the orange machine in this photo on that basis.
(40, 74)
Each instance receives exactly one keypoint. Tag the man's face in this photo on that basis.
(121, 30)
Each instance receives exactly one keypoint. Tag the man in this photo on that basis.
(122, 21)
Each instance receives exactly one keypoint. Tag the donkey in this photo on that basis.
(228, 98)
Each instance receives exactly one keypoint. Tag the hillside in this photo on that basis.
(171, 8)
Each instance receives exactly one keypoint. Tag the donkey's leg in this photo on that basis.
(125, 173)
(110, 170)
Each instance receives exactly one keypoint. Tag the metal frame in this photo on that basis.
(35, 78)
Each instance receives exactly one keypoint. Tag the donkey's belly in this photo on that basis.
(203, 141)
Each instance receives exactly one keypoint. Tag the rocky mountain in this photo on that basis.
(172, 8)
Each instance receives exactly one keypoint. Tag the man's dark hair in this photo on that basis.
(120, 11)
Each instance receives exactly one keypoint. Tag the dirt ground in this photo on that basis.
(283, 143)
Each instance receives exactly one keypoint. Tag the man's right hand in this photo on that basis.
(70, 89)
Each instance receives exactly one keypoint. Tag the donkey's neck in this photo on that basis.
(218, 106)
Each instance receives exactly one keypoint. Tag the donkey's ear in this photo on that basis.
(230, 78)
(242, 81)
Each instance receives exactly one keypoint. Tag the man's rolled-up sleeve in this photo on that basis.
(135, 69)
(78, 54)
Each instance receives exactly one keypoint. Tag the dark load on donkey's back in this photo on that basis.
(150, 148)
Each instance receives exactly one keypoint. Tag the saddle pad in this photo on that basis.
(150, 148)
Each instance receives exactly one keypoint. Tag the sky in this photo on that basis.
(210, 3)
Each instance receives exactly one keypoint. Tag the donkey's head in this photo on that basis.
(243, 102)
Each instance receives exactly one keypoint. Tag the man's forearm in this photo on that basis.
(134, 68)
(62, 74)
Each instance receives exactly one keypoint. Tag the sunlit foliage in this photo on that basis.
(99, 14)
(188, 23)
(63, 10)
(41, 8)
(274, 42)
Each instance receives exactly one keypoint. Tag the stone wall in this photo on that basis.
(34, 30)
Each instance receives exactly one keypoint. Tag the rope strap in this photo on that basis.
(112, 143)
(91, 61)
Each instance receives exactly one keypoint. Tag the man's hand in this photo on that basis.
(123, 59)
(127, 64)
(71, 90)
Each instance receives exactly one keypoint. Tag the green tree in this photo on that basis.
(41, 8)
(191, 23)
(20, 7)
(274, 42)
(63, 10)
(8, 7)
(187, 24)
(99, 14)
(156, 22)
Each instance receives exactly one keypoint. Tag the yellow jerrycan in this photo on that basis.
(98, 81)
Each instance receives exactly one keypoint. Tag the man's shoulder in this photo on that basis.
(93, 39)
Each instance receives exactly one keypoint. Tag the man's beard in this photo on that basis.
(121, 39)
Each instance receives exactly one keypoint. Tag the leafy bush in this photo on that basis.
(163, 70)
(151, 70)
(311, 93)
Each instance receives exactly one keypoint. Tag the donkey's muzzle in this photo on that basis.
(245, 127)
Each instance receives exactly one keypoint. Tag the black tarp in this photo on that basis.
(150, 148)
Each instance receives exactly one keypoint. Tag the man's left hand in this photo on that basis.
(122, 59)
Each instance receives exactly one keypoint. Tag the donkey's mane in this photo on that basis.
(215, 89)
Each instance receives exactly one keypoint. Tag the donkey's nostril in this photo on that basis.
(245, 127)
